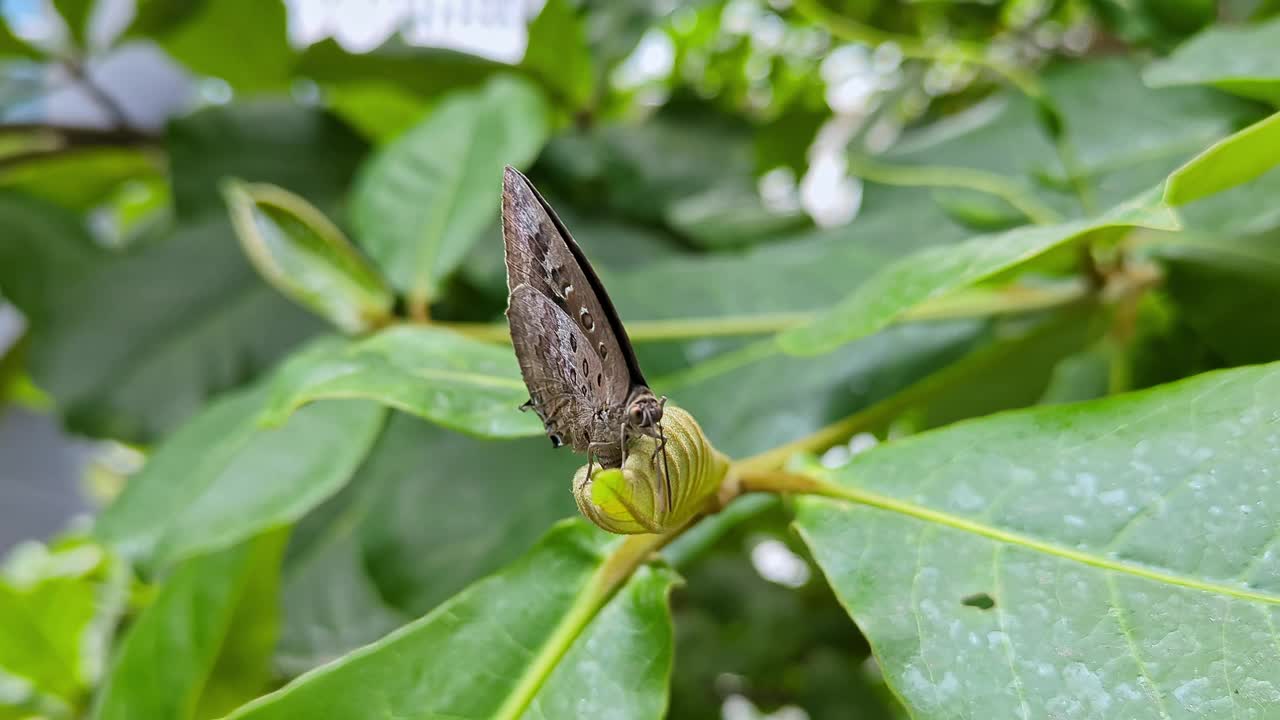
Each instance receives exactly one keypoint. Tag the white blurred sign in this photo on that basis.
(495, 29)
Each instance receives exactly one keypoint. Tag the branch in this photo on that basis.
(53, 140)
(80, 73)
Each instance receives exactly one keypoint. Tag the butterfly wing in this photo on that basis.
(564, 374)
(542, 255)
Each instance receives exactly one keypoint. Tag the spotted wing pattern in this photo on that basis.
(539, 256)
(565, 376)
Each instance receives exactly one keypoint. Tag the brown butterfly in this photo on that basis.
(577, 361)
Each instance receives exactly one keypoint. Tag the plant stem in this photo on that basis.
(974, 302)
(114, 110)
(882, 412)
(612, 575)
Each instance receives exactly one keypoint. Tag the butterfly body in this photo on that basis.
(577, 361)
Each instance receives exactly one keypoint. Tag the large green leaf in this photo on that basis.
(424, 198)
(428, 513)
(58, 609)
(12, 46)
(1120, 137)
(204, 643)
(1218, 284)
(76, 14)
(1237, 58)
(558, 55)
(82, 179)
(130, 344)
(139, 343)
(330, 605)
(41, 242)
(305, 151)
(443, 376)
(1230, 162)
(425, 72)
(546, 637)
(1110, 138)
(222, 478)
(262, 60)
(1107, 559)
(937, 271)
(157, 17)
(295, 247)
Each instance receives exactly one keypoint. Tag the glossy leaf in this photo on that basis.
(559, 56)
(1218, 284)
(304, 255)
(1122, 137)
(82, 179)
(305, 151)
(203, 644)
(158, 17)
(425, 516)
(1106, 559)
(438, 374)
(11, 46)
(424, 198)
(1237, 58)
(938, 271)
(136, 345)
(526, 642)
(1232, 161)
(222, 478)
(262, 60)
(76, 14)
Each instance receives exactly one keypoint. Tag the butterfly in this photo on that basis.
(577, 361)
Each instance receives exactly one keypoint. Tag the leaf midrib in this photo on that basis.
(883, 502)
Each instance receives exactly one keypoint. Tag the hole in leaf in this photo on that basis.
(982, 601)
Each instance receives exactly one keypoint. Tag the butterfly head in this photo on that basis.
(644, 412)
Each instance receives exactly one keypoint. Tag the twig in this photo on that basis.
(58, 139)
(80, 73)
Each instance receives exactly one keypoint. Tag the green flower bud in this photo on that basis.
(633, 499)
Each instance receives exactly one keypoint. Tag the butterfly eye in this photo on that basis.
(637, 415)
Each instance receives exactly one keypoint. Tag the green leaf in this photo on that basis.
(424, 72)
(1240, 59)
(937, 271)
(379, 110)
(262, 60)
(82, 179)
(12, 46)
(305, 151)
(153, 18)
(1106, 559)
(139, 342)
(424, 198)
(221, 478)
(541, 638)
(1232, 161)
(304, 255)
(76, 14)
(41, 242)
(1218, 284)
(428, 513)
(331, 606)
(203, 644)
(559, 56)
(58, 609)
(442, 376)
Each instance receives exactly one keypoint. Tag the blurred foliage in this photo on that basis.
(265, 249)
